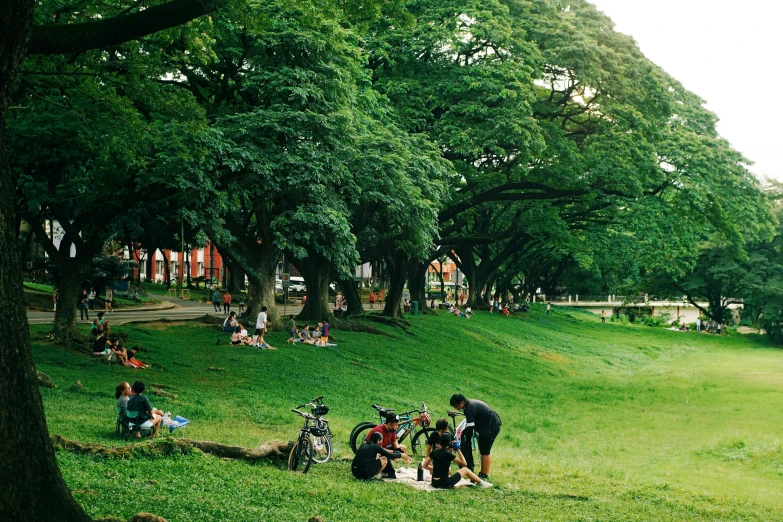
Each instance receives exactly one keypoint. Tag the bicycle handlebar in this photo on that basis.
(303, 414)
(453, 414)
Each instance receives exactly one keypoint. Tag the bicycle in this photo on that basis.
(413, 423)
(322, 444)
(302, 451)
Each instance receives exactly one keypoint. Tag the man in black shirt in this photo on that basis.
(371, 459)
(486, 423)
(148, 416)
(439, 461)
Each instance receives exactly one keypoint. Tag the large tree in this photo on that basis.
(32, 486)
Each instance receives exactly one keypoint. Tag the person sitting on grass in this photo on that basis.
(389, 432)
(118, 353)
(441, 427)
(373, 461)
(132, 361)
(99, 325)
(122, 393)
(230, 324)
(439, 462)
(148, 416)
(236, 337)
(100, 346)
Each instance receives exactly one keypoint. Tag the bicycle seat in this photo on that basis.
(383, 410)
(453, 414)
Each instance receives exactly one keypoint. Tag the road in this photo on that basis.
(174, 309)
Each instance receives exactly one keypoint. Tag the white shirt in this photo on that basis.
(261, 321)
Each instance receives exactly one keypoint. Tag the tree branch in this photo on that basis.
(75, 38)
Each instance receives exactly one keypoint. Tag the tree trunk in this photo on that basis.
(351, 293)
(317, 273)
(391, 307)
(166, 274)
(71, 278)
(32, 486)
(261, 292)
(417, 284)
(235, 277)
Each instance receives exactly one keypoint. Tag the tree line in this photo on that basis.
(527, 141)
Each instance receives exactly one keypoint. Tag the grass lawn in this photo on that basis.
(600, 422)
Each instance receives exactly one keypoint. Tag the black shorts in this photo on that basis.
(259, 331)
(450, 482)
(486, 438)
(368, 472)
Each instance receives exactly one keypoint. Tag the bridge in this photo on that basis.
(677, 308)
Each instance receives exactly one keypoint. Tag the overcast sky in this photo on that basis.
(728, 53)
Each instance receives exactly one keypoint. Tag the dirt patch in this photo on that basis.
(554, 357)
(749, 330)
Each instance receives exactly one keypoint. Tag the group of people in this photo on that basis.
(111, 347)
(225, 301)
(85, 302)
(711, 326)
(318, 336)
(459, 313)
(374, 457)
(239, 334)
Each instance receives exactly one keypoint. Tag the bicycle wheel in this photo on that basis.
(419, 441)
(301, 455)
(359, 433)
(322, 449)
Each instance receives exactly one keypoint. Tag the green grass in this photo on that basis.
(600, 422)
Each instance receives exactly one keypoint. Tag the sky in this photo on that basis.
(727, 52)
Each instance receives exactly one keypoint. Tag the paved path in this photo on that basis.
(173, 309)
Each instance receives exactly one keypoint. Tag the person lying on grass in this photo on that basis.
(148, 416)
(263, 345)
(439, 462)
(373, 461)
(441, 427)
(132, 361)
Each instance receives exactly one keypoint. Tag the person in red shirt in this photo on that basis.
(372, 299)
(226, 303)
(389, 431)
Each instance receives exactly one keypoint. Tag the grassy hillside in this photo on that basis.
(601, 422)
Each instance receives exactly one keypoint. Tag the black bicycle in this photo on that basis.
(301, 456)
(414, 424)
(322, 444)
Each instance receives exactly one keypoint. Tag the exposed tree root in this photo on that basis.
(392, 321)
(44, 380)
(358, 325)
(168, 446)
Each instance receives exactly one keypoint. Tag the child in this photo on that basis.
(505, 310)
(439, 461)
(292, 330)
(324, 334)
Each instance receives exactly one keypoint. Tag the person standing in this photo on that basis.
(461, 298)
(698, 324)
(109, 300)
(548, 308)
(485, 422)
(304, 300)
(91, 297)
(241, 302)
(226, 303)
(324, 333)
(261, 322)
(603, 316)
(84, 314)
(216, 299)
(372, 299)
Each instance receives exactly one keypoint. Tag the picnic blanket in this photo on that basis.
(408, 476)
(176, 422)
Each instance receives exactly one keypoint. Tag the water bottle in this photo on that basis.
(420, 474)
